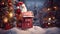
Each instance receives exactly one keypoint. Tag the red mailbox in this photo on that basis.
(27, 20)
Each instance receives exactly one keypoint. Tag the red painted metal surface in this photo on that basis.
(27, 23)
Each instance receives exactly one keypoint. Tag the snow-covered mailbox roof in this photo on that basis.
(28, 14)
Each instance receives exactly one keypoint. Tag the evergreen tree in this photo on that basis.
(6, 14)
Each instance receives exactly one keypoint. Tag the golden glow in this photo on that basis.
(49, 9)
(55, 7)
(10, 3)
(49, 19)
(5, 19)
(20, 16)
(18, 7)
(53, 17)
(10, 15)
(48, 23)
(2, 2)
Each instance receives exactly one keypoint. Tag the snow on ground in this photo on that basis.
(53, 30)
(34, 30)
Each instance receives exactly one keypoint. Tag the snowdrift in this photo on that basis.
(34, 30)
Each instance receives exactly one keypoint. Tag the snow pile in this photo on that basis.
(34, 30)
(53, 30)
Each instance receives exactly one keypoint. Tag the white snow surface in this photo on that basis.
(34, 30)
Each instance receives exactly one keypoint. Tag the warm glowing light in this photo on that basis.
(49, 19)
(48, 23)
(18, 7)
(11, 14)
(55, 7)
(5, 19)
(10, 3)
(49, 9)
(20, 16)
(53, 17)
(3, 3)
